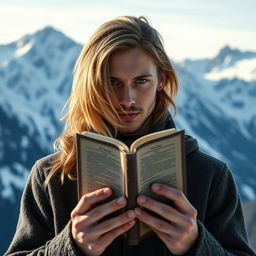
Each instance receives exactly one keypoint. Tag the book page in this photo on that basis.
(160, 162)
(106, 139)
(100, 167)
(152, 136)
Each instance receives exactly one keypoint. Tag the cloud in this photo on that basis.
(184, 33)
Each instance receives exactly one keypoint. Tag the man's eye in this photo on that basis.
(114, 82)
(141, 81)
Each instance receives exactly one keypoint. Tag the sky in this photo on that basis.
(190, 28)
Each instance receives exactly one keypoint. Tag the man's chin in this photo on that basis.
(129, 129)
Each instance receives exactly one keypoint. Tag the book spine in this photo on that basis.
(78, 167)
(183, 155)
(131, 194)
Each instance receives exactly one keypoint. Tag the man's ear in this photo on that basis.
(162, 80)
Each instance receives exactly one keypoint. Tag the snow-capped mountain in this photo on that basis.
(228, 64)
(222, 113)
(35, 81)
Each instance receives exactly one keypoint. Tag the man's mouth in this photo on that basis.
(128, 115)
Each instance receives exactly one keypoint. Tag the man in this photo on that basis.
(123, 86)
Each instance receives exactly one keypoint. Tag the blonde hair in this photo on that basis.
(91, 103)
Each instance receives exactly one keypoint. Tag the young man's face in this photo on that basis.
(135, 82)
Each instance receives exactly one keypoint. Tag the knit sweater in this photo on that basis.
(44, 225)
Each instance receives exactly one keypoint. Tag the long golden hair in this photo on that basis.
(91, 106)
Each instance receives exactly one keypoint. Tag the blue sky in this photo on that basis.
(190, 28)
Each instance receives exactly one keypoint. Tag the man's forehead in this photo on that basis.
(131, 72)
(134, 62)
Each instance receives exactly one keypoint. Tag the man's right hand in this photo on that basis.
(93, 237)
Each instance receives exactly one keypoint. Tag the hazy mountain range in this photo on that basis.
(216, 104)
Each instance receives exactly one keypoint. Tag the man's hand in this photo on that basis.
(179, 230)
(92, 238)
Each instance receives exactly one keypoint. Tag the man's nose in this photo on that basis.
(127, 97)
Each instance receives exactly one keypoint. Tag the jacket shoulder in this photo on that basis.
(202, 160)
(47, 160)
(42, 166)
(205, 172)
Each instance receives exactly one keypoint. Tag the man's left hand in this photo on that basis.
(179, 229)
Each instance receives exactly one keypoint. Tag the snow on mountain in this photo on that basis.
(243, 69)
(10, 179)
(221, 113)
(35, 81)
(228, 64)
(228, 57)
(195, 67)
(236, 94)
(34, 77)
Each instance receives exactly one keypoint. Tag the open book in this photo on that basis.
(107, 162)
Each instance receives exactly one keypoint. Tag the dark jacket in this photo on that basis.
(44, 222)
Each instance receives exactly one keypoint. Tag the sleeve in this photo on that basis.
(223, 232)
(34, 233)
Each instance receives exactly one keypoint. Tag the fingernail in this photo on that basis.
(120, 200)
(142, 199)
(130, 214)
(138, 211)
(106, 191)
(156, 187)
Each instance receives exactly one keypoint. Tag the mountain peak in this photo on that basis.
(228, 51)
(234, 51)
(48, 30)
(50, 34)
(226, 48)
(227, 57)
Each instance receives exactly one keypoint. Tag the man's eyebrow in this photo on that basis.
(144, 75)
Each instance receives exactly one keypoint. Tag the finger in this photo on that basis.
(103, 210)
(176, 196)
(156, 223)
(164, 210)
(113, 223)
(87, 201)
(175, 244)
(165, 238)
(90, 218)
(162, 236)
(108, 238)
(181, 221)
